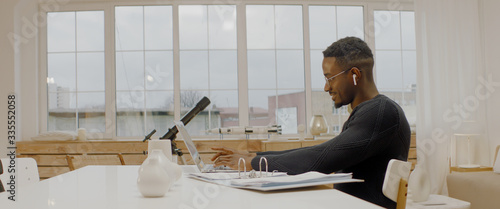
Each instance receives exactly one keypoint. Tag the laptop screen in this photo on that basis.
(190, 145)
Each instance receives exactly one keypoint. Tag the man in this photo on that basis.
(375, 132)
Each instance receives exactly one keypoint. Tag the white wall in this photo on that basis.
(7, 69)
(19, 67)
(491, 32)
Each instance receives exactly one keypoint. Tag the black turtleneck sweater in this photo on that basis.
(376, 132)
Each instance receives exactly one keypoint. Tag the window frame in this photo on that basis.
(369, 6)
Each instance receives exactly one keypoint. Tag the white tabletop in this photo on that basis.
(95, 187)
(439, 202)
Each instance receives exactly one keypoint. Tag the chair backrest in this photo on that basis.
(79, 161)
(496, 154)
(395, 185)
(1, 172)
(26, 171)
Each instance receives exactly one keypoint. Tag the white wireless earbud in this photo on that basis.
(354, 79)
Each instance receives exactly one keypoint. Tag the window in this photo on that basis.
(144, 69)
(75, 71)
(396, 58)
(208, 64)
(275, 65)
(125, 70)
(327, 24)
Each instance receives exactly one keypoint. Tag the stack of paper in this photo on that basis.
(276, 182)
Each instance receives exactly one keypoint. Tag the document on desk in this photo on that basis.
(278, 182)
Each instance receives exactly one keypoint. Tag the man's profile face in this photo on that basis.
(337, 86)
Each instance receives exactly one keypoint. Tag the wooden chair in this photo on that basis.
(79, 161)
(395, 185)
(1, 172)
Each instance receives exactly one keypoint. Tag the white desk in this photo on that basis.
(114, 187)
(438, 202)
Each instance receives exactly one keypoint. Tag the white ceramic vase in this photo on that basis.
(164, 145)
(173, 170)
(177, 170)
(153, 180)
(318, 125)
(419, 186)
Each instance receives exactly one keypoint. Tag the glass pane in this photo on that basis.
(60, 31)
(224, 99)
(159, 101)
(408, 30)
(194, 69)
(222, 28)
(289, 31)
(158, 27)
(290, 68)
(350, 21)
(200, 123)
(90, 30)
(159, 120)
(61, 73)
(91, 112)
(389, 72)
(322, 26)
(190, 98)
(261, 69)
(291, 110)
(159, 111)
(129, 113)
(159, 70)
(130, 101)
(409, 69)
(259, 104)
(62, 101)
(62, 112)
(129, 71)
(90, 71)
(260, 27)
(387, 30)
(129, 28)
(317, 77)
(225, 107)
(223, 69)
(130, 123)
(193, 27)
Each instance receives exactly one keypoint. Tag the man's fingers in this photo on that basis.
(223, 162)
(221, 149)
(216, 156)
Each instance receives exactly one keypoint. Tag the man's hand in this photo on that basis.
(229, 157)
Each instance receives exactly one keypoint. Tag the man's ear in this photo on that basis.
(356, 75)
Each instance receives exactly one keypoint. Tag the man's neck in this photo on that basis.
(365, 95)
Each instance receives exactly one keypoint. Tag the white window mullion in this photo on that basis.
(110, 71)
(76, 72)
(176, 59)
(241, 31)
(369, 24)
(307, 63)
(42, 80)
(144, 119)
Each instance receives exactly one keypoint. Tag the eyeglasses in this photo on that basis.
(329, 79)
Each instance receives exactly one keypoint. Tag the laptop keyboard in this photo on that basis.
(211, 167)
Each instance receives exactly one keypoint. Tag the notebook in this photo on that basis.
(204, 168)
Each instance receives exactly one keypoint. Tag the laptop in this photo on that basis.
(204, 168)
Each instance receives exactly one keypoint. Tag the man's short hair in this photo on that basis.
(351, 52)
